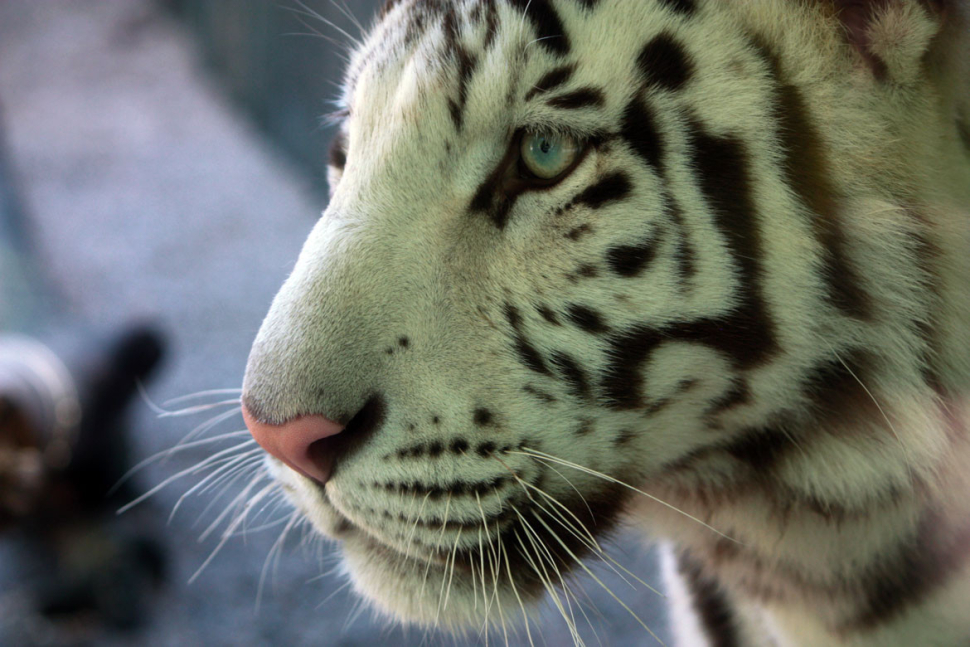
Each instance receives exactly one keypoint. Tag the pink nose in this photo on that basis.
(295, 442)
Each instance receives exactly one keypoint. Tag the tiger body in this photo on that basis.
(741, 320)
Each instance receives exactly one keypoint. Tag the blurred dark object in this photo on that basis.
(65, 388)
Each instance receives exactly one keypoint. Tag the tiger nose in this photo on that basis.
(297, 443)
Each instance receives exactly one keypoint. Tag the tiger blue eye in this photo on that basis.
(548, 156)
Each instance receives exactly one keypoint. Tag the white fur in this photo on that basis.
(398, 253)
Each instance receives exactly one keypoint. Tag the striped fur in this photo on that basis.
(748, 299)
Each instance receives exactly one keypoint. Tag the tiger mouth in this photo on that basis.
(444, 541)
(510, 537)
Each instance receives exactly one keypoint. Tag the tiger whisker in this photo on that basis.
(595, 547)
(231, 465)
(169, 452)
(414, 527)
(548, 457)
(568, 595)
(590, 540)
(475, 579)
(276, 548)
(600, 582)
(234, 505)
(575, 489)
(250, 470)
(228, 533)
(546, 584)
(445, 579)
(354, 614)
(345, 10)
(199, 408)
(203, 428)
(872, 397)
(252, 458)
(515, 592)
(547, 580)
(271, 504)
(189, 470)
(451, 577)
(496, 565)
(591, 543)
(444, 524)
(310, 13)
(481, 550)
(334, 592)
(200, 394)
(268, 525)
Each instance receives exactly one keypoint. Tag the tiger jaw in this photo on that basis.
(422, 569)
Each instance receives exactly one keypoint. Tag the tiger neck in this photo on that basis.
(848, 566)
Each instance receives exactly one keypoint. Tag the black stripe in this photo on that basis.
(466, 64)
(544, 397)
(639, 131)
(834, 388)
(585, 427)
(710, 602)
(574, 375)
(723, 173)
(746, 335)
(528, 354)
(925, 561)
(630, 260)
(388, 7)
(582, 98)
(549, 315)
(612, 188)
(578, 232)
(622, 382)
(737, 394)
(806, 171)
(665, 64)
(549, 28)
(963, 128)
(552, 80)
(491, 20)
(683, 7)
(492, 197)
(683, 251)
(587, 319)
(761, 449)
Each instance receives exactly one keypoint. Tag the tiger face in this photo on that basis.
(574, 248)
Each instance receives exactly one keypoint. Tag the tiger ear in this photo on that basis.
(891, 36)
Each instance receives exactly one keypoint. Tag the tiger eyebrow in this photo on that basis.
(552, 80)
(586, 97)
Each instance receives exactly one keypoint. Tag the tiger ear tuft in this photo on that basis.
(891, 36)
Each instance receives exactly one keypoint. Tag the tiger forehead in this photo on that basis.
(490, 62)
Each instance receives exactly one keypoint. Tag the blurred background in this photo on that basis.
(161, 164)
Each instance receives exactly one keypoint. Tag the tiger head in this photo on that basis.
(576, 250)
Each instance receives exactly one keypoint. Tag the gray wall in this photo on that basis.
(271, 60)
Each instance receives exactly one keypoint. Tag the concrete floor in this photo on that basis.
(152, 197)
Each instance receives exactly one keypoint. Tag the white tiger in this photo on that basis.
(701, 265)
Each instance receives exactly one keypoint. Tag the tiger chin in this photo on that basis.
(698, 266)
